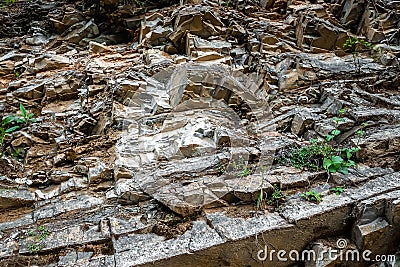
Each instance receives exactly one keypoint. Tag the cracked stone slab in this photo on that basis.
(138, 249)
(361, 114)
(297, 209)
(378, 206)
(84, 259)
(73, 235)
(235, 228)
(220, 232)
(60, 205)
(120, 226)
(372, 235)
(361, 174)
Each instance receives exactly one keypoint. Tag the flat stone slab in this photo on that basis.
(15, 198)
(234, 228)
(65, 204)
(75, 235)
(20, 222)
(299, 209)
(137, 249)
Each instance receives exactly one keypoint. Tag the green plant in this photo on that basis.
(260, 198)
(275, 199)
(11, 124)
(337, 120)
(37, 238)
(337, 164)
(338, 189)
(221, 169)
(360, 133)
(354, 45)
(321, 153)
(309, 157)
(44, 232)
(34, 248)
(140, 3)
(276, 196)
(245, 172)
(240, 165)
(261, 195)
(26, 118)
(6, 128)
(341, 158)
(312, 196)
(6, 3)
(16, 153)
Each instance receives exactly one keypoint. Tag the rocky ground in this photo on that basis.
(157, 124)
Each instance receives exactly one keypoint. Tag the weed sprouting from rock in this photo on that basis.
(312, 196)
(324, 153)
(13, 123)
(36, 239)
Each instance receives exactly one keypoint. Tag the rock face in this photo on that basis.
(159, 129)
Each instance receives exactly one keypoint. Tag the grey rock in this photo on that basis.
(65, 204)
(367, 236)
(98, 48)
(34, 91)
(81, 30)
(49, 62)
(384, 142)
(304, 120)
(15, 198)
(78, 234)
(99, 172)
(7, 249)
(127, 192)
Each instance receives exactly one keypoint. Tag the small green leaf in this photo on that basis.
(12, 129)
(314, 141)
(329, 137)
(335, 132)
(351, 163)
(326, 163)
(337, 160)
(8, 120)
(349, 154)
(23, 110)
(260, 197)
